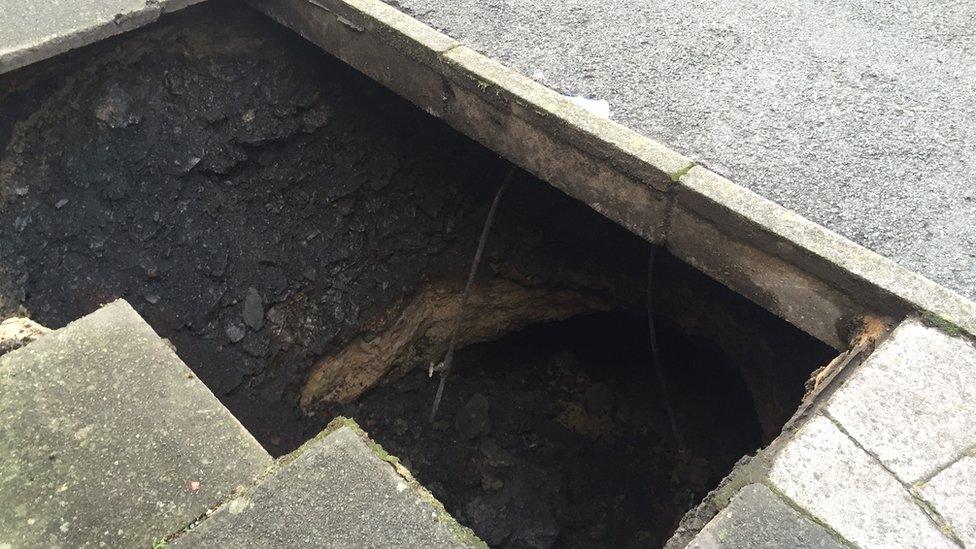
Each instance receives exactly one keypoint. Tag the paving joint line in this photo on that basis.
(806, 513)
(933, 515)
(968, 452)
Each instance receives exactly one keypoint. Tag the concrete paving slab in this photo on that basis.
(31, 31)
(913, 401)
(953, 495)
(824, 472)
(337, 492)
(756, 518)
(108, 439)
(854, 114)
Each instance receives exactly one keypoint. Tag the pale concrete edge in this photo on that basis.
(124, 305)
(702, 190)
(806, 246)
(26, 54)
(125, 308)
(636, 155)
(463, 534)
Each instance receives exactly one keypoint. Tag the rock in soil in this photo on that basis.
(253, 309)
(472, 420)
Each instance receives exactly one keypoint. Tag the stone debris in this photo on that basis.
(598, 399)
(253, 309)
(473, 420)
(235, 332)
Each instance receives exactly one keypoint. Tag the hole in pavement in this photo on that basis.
(302, 235)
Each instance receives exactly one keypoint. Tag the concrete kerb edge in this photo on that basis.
(808, 247)
(867, 278)
(26, 54)
(637, 156)
(827, 255)
(418, 40)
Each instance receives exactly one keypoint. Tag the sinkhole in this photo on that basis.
(302, 236)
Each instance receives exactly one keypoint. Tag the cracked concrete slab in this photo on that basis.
(952, 493)
(884, 459)
(756, 518)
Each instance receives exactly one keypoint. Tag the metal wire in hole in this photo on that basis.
(445, 366)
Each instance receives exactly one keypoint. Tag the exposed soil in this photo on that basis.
(263, 206)
(558, 435)
(254, 200)
(301, 234)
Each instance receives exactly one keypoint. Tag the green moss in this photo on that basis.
(332, 427)
(942, 324)
(463, 534)
(381, 452)
(160, 543)
(676, 175)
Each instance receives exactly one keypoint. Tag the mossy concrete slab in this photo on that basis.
(759, 519)
(340, 490)
(108, 439)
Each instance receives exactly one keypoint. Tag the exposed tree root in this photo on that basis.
(418, 331)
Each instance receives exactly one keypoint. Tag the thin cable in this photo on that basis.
(655, 356)
(456, 330)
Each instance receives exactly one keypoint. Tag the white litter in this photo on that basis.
(596, 106)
